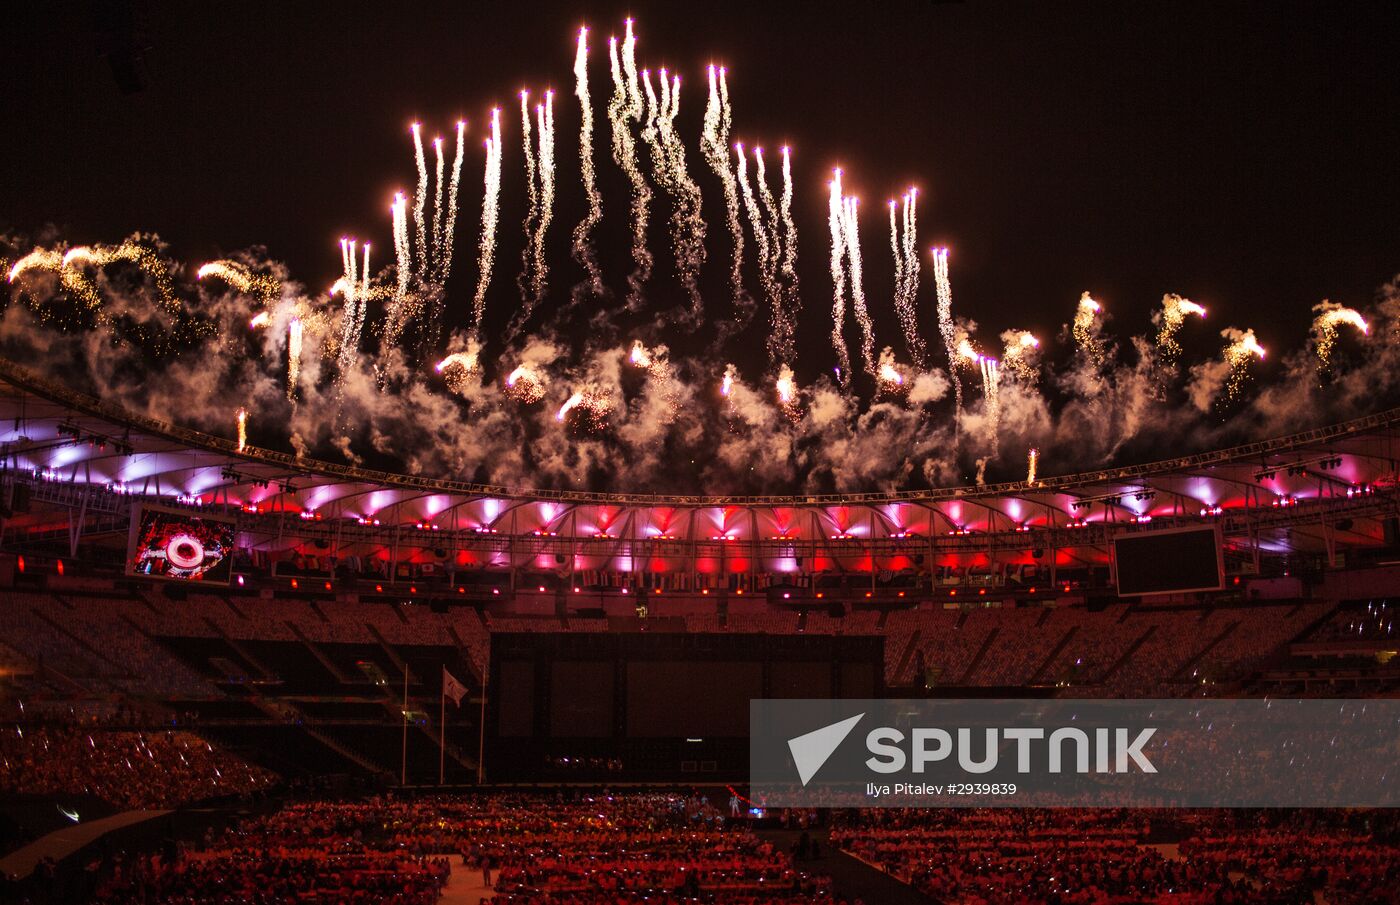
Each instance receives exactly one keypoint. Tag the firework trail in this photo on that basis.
(448, 228)
(1085, 329)
(397, 312)
(714, 145)
(838, 281)
(726, 384)
(439, 202)
(1020, 348)
(583, 232)
(786, 388)
(526, 384)
(355, 287)
(624, 108)
(779, 339)
(991, 400)
(1330, 316)
(569, 405)
(1032, 464)
(545, 120)
(420, 198)
(525, 281)
(294, 338)
(1243, 348)
(850, 227)
(688, 222)
(889, 379)
(458, 366)
(789, 266)
(947, 328)
(242, 419)
(903, 230)
(1175, 310)
(70, 277)
(266, 289)
(490, 217)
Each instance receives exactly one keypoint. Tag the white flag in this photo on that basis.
(452, 688)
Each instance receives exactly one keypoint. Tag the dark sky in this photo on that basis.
(1242, 154)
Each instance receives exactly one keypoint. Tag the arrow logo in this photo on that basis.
(812, 750)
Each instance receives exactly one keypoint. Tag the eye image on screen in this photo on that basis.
(179, 546)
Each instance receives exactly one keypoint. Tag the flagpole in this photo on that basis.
(403, 764)
(442, 727)
(481, 738)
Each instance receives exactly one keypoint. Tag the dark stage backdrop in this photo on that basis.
(652, 706)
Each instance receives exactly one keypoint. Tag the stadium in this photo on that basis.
(377, 596)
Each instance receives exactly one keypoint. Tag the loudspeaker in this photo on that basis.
(321, 543)
(1343, 524)
(918, 559)
(798, 560)
(559, 559)
(1037, 553)
(439, 552)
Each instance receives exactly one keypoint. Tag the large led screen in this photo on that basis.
(176, 545)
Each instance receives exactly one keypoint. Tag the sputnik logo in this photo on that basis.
(812, 750)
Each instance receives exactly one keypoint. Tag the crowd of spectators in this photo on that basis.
(536, 849)
(1109, 856)
(127, 769)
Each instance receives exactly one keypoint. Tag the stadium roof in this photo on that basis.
(1309, 492)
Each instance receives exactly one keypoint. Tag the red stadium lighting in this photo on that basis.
(820, 594)
(328, 586)
(412, 590)
(461, 590)
(576, 590)
(705, 591)
(787, 596)
(294, 584)
(496, 591)
(60, 567)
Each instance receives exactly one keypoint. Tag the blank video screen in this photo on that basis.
(515, 697)
(697, 699)
(581, 699)
(1167, 562)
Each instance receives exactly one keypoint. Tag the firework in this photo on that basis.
(420, 197)
(850, 229)
(1085, 329)
(583, 232)
(591, 402)
(525, 384)
(490, 216)
(294, 339)
(1175, 310)
(1018, 357)
(889, 379)
(267, 289)
(786, 388)
(991, 398)
(947, 328)
(625, 108)
(544, 114)
(903, 229)
(793, 301)
(354, 286)
(458, 366)
(259, 320)
(1243, 348)
(242, 419)
(448, 227)
(838, 279)
(1032, 463)
(714, 144)
(777, 351)
(1330, 316)
(726, 384)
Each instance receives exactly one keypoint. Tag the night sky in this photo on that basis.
(1241, 154)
